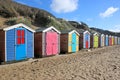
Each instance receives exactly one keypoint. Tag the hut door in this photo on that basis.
(101, 41)
(111, 41)
(106, 38)
(55, 43)
(70, 43)
(49, 43)
(95, 41)
(20, 44)
(86, 41)
(87, 44)
(74, 42)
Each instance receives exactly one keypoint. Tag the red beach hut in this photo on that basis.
(110, 40)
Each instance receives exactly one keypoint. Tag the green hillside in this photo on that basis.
(12, 13)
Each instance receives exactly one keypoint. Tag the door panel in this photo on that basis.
(86, 41)
(77, 43)
(95, 41)
(74, 42)
(48, 43)
(51, 43)
(70, 43)
(55, 43)
(20, 46)
(102, 41)
(87, 44)
(107, 41)
(111, 41)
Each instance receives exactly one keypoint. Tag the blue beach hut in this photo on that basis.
(101, 40)
(106, 40)
(118, 40)
(17, 43)
(84, 40)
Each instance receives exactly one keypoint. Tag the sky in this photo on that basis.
(103, 14)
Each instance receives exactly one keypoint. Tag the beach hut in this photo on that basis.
(47, 42)
(94, 40)
(101, 40)
(84, 40)
(110, 40)
(16, 43)
(106, 40)
(69, 41)
(115, 40)
(119, 40)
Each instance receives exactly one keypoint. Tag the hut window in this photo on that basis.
(23, 37)
(20, 36)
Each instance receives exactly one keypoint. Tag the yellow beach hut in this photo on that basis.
(69, 41)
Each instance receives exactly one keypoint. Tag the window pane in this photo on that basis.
(22, 33)
(18, 33)
(22, 40)
(18, 40)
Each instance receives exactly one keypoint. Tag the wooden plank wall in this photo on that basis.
(81, 41)
(2, 45)
(64, 42)
(38, 44)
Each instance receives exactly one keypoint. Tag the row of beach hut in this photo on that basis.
(19, 42)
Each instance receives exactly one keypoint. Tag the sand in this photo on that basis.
(97, 64)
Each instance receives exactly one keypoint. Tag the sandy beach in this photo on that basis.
(96, 64)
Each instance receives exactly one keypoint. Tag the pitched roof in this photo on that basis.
(81, 30)
(47, 29)
(65, 31)
(16, 26)
(69, 32)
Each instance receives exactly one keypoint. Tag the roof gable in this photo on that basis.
(110, 36)
(86, 32)
(73, 32)
(95, 34)
(18, 25)
(47, 29)
(102, 35)
(106, 36)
